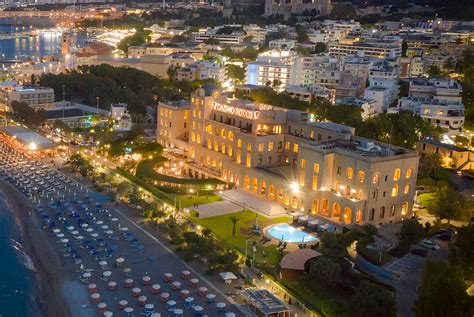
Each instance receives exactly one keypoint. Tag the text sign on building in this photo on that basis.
(240, 112)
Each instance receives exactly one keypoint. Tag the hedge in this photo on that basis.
(145, 170)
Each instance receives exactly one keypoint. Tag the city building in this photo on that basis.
(233, 38)
(265, 304)
(368, 106)
(376, 48)
(271, 68)
(200, 70)
(117, 110)
(437, 100)
(384, 75)
(283, 158)
(282, 44)
(297, 7)
(173, 124)
(451, 156)
(36, 97)
(308, 93)
(350, 86)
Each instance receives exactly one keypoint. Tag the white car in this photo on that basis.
(429, 244)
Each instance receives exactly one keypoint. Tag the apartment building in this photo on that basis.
(350, 86)
(173, 123)
(273, 68)
(282, 157)
(451, 156)
(297, 7)
(233, 38)
(437, 100)
(140, 51)
(384, 75)
(201, 70)
(36, 97)
(375, 48)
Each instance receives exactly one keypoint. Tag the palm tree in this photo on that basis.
(234, 220)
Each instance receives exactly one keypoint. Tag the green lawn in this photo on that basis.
(189, 200)
(221, 226)
(424, 198)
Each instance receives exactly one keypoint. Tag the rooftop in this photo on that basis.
(444, 145)
(266, 302)
(29, 138)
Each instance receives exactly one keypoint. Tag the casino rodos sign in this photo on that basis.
(240, 112)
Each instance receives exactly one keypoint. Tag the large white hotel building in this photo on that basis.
(280, 156)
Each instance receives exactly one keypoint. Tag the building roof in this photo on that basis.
(66, 113)
(449, 147)
(266, 302)
(28, 137)
(296, 260)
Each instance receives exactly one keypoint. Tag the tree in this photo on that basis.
(326, 272)
(235, 72)
(234, 220)
(465, 245)
(404, 48)
(27, 113)
(433, 71)
(301, 34)
(320, 47)
(443, 292)
(412, 231)
(140, 37)
(430, 164)
(343, 11)
(449, 64)
(448, 203)
(372, 300)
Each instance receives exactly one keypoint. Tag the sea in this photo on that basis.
(48, 43)
(18, 283)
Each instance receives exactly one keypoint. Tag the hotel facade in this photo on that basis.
(280, 156)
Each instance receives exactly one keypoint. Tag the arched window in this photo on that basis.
(254, 185)
(392, 210)
(395, 191)
(314, 206)
(359, 216)
(294, 202)
(271, 192)
(223, 133)
(347, 215)
(406, 190)
(382, 212)
(376, 178)
(336, 210)
(209, 129)
(349, 172)
(286, 201)
(263, 188)
(230, 135)
(396, 174)
(408, 173)
(405, 208)
(361, 176)
(372, 214)
(324, 208)
(280, 195)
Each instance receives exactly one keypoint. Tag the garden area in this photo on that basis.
(222, 226)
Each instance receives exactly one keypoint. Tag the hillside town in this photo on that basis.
(237, 158)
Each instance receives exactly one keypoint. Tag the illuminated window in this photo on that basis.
(263, 188)
(194, 124)
(216, 146)
(270, 146)
(302, 176)
(287, 146)
(405, 208)
(249, 160)
(209, 144)
(239, 160)
(223, 134)
(314, 183)
(395, 191)
(249, 146)
(408, 173)
(316, 168)
(254, 185)
(376, 178)
(260, 147)
(294, 202)
(230, 135)
(295, 148)
(271, 192)
(280, 194)
(193, 137)
(229, 151)
(303, 164)
(239, 143)
(246, 182)
(198, 138)
(361, 176)
(406, 190)
(223, 148)
(286, 201)
(396, 174)
(349, 172)
(209, 129)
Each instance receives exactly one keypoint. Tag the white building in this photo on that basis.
(370, 47)
(384, 75)
(36, 97)
(282, 44)
(437, 100)
(117, 110)
(233, 38)
(273, 68)
(308, 93)
(381, 97)
(201, 70)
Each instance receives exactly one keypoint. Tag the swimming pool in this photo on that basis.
(285, 232)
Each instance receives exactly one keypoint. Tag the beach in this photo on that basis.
(46, 262)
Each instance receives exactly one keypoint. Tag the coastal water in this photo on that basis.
(48, 43)
(18, 285)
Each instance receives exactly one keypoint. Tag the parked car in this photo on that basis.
(429, 244)
(420, 252)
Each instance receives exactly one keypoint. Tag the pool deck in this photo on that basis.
(289, 244)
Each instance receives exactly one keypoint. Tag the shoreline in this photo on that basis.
(45, 260)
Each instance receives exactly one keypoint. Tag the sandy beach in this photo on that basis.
(46, 261)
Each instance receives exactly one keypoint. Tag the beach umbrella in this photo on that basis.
(64, 240)
(79, 237)
(86, 275)
(56, 230)
(114, 219)
(60, 235)
(106, 273)
(75, 232)
(70, 228)
(124, 229)
(105, 227)
(120, 260)
(109, 232)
